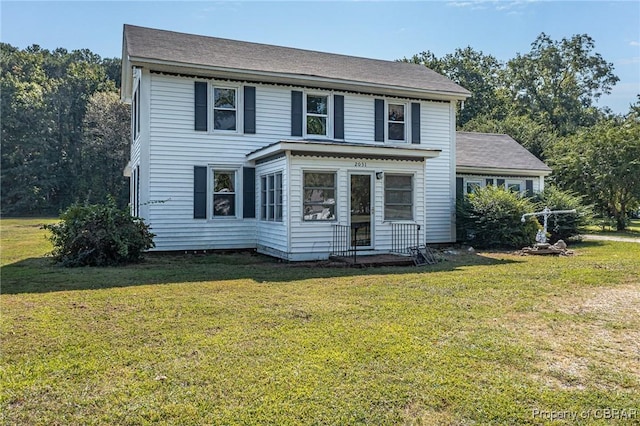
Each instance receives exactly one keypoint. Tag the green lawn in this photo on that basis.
(492, 338)
(633, 230)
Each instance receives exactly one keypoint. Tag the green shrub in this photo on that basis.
(491, 217)
(99, 235)
(563, 226)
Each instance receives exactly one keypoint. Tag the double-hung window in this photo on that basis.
(398, 197)
(319, 196)
(224, 193)
(317, 115)
(271, 197)
(225, 108)
(396, 122)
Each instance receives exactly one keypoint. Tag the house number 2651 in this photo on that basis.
(360, 164)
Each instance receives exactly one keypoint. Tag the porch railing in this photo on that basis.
(341, 245)
(404, 236)
(346, 239)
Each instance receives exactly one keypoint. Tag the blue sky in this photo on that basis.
(383, 29)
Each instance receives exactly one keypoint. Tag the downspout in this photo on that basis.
(288, 169)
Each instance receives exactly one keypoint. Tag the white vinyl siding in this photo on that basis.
(171, 149)
(436, 130)
(273, 236)
(313, 239)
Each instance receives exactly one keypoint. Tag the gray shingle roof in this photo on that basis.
(494, 151)
(147, 44)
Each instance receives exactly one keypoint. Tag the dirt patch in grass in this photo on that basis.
(591, 338)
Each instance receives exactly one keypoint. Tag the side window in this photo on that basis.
(225, 108)
(135, 112)
(319, 196)
(271, 197)
(515, 186)
(472, 185)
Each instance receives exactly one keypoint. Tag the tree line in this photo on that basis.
(65, 133)
(546, 100)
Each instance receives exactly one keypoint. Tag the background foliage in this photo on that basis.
(65, 133)
(64, 130)
(546, 99)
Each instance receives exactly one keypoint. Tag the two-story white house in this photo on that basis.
(288, 151)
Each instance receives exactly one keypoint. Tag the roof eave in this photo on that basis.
(126, 72)
(502, 171)
(294, 79)
(341, 149)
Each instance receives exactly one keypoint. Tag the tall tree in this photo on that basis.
(602, 162)
(476, 72)
(534, 136)
(558, 82)
(105, 150)
(44, 98)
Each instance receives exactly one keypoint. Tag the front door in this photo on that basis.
(361, 220)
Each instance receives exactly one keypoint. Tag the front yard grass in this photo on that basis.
(491, 338)
(633, 230)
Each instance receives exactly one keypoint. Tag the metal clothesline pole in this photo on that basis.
(545, 213)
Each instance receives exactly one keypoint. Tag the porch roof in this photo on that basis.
(330, 148)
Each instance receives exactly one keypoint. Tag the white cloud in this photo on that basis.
(628, 61)
(634, 43)
(499, 5)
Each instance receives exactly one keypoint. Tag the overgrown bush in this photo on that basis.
(491, 217)
(99, 235)
(563, 226)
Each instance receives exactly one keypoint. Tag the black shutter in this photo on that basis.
(249, 192)
(459, 187)
(489, 182)
(338, 117)
(199, 192)
(529, 185)
(137, 191)
(201, 105)
(500, 182)
(249, 109)
(415, 122)
(379, 120)
(296, 113)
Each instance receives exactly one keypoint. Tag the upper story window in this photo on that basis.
(317, 115)
(396, 122)
(225, 108)
(135, 112)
